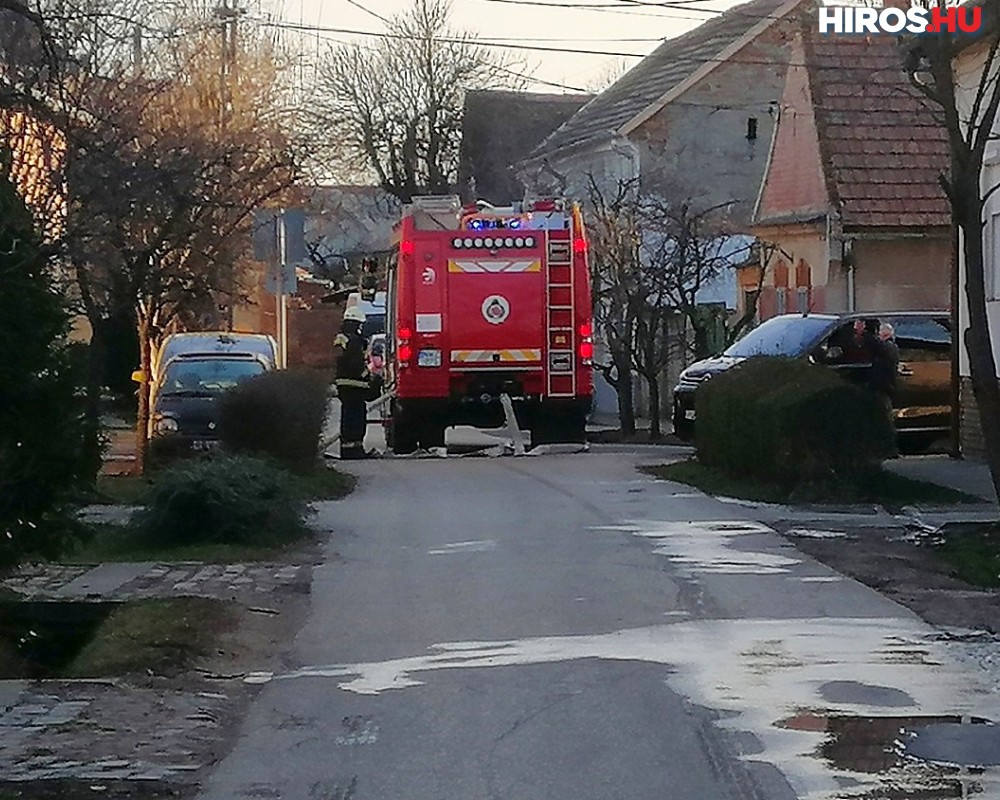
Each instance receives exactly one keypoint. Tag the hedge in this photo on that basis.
(789, 421)
(279, 415)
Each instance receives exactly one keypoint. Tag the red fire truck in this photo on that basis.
(482, 302)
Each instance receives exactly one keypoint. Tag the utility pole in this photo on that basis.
(228, 15)
(137, 50)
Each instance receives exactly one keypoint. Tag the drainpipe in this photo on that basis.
(848, 259)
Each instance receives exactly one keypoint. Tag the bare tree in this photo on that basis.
(162, 193)
(689, 248)
(615, 234)
(969, 115)
(395, 109)
(609, 74)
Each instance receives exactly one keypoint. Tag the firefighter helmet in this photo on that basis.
(355, 314)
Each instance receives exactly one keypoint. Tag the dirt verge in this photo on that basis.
(905, 567)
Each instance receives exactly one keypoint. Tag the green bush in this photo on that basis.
(788, 421)
(49, 452)
(164, 451)
(223, 500)
(279, 415)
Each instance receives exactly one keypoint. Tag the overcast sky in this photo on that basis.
(617, 26)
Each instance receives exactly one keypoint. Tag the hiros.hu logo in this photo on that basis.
(950, 19)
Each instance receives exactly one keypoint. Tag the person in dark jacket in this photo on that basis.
(353, 384)
(884, 358)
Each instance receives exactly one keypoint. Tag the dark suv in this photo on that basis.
(923, 403)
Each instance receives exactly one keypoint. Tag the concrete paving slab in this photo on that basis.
(105, 579)
(972, 477)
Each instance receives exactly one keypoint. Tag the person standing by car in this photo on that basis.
(884, 360)
(353, 384)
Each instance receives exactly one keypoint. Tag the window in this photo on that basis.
(781, 300)
(802, 299)
(751, 304)
(992, 254)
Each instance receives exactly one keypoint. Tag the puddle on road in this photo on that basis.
(712, 546)
(885, 747)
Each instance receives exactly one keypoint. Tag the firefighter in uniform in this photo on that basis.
(353, 384)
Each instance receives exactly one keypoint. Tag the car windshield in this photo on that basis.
(780, 336)
(374, 324)
(208, 376)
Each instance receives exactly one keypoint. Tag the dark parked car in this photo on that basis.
(188, 392)
(923, 404)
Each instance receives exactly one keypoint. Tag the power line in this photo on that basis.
(318, 30)
(367, 10)
(634, 4)
(447, 39)
(597, 8)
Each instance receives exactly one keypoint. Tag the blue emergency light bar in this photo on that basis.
(482, 224)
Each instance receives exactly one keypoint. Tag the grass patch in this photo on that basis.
(126, 490)
(974, 556)
(63, 639)
(323, 483)
(165, 636)
(123, 543)
(882, 486)
(326, 483)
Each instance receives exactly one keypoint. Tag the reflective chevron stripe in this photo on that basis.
(486, 356)
(493, 267)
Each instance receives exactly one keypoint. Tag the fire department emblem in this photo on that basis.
(496, 309)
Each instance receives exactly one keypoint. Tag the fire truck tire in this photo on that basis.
(555, 430)
(432, 435)
(401, 434)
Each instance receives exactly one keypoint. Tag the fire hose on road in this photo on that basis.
(369, 407)
(513, 430)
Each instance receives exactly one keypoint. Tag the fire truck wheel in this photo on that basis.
(432, 435)
(401, 435)
(558, 431)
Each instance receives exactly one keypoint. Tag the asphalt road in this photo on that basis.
(563, 627)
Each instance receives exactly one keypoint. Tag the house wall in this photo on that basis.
(698, 146)
(795, 185)
(312, 326)
(799, 261)
(569, 174)
(969, 66)
(902, 274)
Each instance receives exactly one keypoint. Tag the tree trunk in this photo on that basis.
(96, 354)
(143, 413)
(655, 431)
(626, 402)
(982, 363)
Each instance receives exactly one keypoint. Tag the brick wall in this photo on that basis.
(312, 326)
(971, 432)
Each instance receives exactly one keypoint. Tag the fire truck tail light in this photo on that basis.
(580, 246)
(586, 347)
(405, 334)
(405, 353)
(407, 247)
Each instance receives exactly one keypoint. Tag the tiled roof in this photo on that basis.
(882, 148)
(663, 69)
(500, 128)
